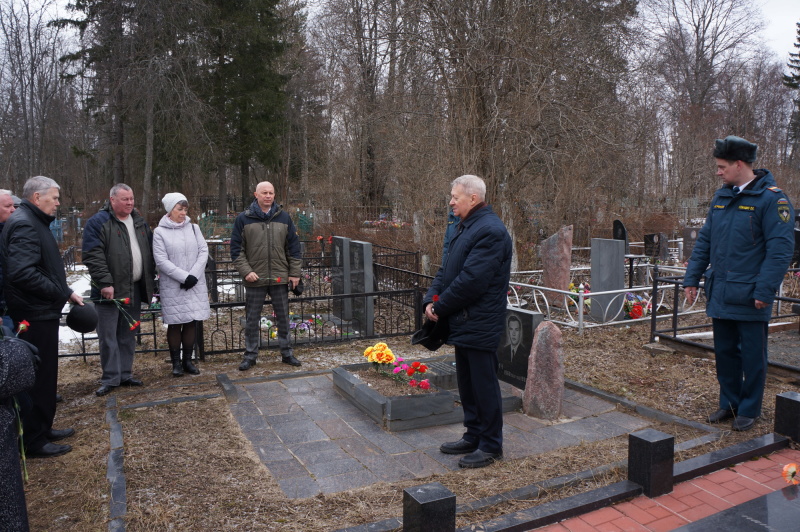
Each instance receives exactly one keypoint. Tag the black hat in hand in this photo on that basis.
(82, 318)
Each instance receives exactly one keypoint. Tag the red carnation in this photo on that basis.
(424, 384)
(415, 365)
(410, 371)
(330, 239)
(126, 301)
(422, 368)
(319, 238)
(435, 298)
(135, 325)
(412, 383)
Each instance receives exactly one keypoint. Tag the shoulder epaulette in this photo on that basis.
(774, 189)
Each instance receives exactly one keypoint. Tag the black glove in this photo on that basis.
(189, 283)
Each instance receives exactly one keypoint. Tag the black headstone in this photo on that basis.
(651, 455)
(689, 239)
(429, 508)
(620, 233)
(656, 246)
(513, 358)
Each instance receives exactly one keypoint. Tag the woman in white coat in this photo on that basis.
(180, 252)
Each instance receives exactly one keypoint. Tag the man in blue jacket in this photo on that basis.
(747, 241)
(469, 291)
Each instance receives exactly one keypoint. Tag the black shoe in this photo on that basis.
(461, 446)
(479, 458)
(246, 364)
(291, 361)
(188, 367)
(104, 390)
(48, 450)
(131, 382)
(742, 423)
(55, 435)
(59, 398)
(721, 415)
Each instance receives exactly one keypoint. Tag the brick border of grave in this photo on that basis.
(397, 413)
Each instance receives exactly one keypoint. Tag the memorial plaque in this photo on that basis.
(656, 246)
(515, 345)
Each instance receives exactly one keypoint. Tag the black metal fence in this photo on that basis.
(315, 317)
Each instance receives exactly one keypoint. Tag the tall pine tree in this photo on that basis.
(792, 80)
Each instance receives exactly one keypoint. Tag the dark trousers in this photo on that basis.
(117, 340)
(38, 405)
(476, 372)
(254, 305)
(740, 348)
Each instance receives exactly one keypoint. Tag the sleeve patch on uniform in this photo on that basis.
(783, 213)
(774, 189)
(746, 208)
(783, 201)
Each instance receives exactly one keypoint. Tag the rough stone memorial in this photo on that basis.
(544, 393)
(556, 254)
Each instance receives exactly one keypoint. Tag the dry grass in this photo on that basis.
(189, 467)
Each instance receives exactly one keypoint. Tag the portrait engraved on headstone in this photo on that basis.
(656, 246)
(515, 345)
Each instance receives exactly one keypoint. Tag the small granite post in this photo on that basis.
(651, 456)
(429, 508)
(544, 391)
(787, 415)
(556, 254)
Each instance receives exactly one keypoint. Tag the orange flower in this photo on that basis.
(790, 474)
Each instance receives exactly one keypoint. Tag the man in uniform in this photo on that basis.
(746, 244)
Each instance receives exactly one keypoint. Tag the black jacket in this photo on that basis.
(34, 281)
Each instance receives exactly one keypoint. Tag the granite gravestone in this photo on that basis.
(689, 240)
(796, 256)
(515, 345)
(340, 278)
(620, 233)
(608, 273)
(362, 281)
(556, 254)
(544, 393)
(656, 246)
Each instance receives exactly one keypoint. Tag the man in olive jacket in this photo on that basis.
(118, 251)
(266, 252)
(35, 286)
(746, 243)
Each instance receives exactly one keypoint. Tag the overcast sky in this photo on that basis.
(780, 33)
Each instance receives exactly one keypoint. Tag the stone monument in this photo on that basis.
(544, 392)
(608, 273)
(556, 254)
(515, 345)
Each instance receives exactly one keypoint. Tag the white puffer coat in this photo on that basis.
(179, 251)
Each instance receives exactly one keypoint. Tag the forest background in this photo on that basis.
(574, 111)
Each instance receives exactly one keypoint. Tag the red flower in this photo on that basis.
(636, 311)
(424, 384)
(126, 301)
(319, 238)
(410, 371)
(135, 324)
(415, 365)
(422, 368)
(412, 383)
(330, 239)
(23, 326)
(435, 298)
(278, 280)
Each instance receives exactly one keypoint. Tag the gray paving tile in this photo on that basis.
(586, 429)
(244, 397)
(626, 421)
(295, 386)
(558, 438)
(272, 452)
(250, 423)
(418, 439)
(244, 409)
(386, 468)
(350, 413)
(359, 446)
(299, 431)
(329, 468)
(386, 441)
(593, 404)
(267, 388)
(445, 433)
(320, 382)
(286, 468)
(296, 415)
(318, 451)
(262, 437)
(299, 487)
(352, 480)
(279, 408)
(336, 429)
(523, 422)
(527, 444)
(420, 464)
(449, 461)
(573, 411)
(321, 412)
(306, 399)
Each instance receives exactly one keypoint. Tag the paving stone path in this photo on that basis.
(315, 441)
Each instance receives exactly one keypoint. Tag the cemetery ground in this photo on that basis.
(189, 467)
